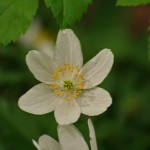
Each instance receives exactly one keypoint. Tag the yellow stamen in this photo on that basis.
(72, 86)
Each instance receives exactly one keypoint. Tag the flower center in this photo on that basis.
(68, 81)
(68, 85)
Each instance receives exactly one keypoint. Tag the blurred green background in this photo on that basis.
(126, 124)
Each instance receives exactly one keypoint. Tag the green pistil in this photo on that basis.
(68, 84)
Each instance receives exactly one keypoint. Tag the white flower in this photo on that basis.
(37, 37)
(68, 87)
(69, 139)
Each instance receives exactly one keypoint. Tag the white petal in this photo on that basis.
(97, 68)
(71, 139)
(41, 65)
(36, 145)
(68, 49)
(93, 142)
(48, 143)
(38, 100)
(94, 101)
(67, 111)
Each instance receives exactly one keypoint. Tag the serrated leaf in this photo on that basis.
(15, 18)
(132, 2)
(67, 12)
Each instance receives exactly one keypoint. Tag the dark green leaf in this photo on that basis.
(15, 18)
(67, 12)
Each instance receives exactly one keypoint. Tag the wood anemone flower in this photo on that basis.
(69, 139)
(68, 87)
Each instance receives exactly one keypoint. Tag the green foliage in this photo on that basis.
(132, 2)
(149, 43)
(15, 18)
(67, 12)
(135, 3)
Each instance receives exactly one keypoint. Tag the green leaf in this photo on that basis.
(132, 2)
(67, 12)
(15, 18)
